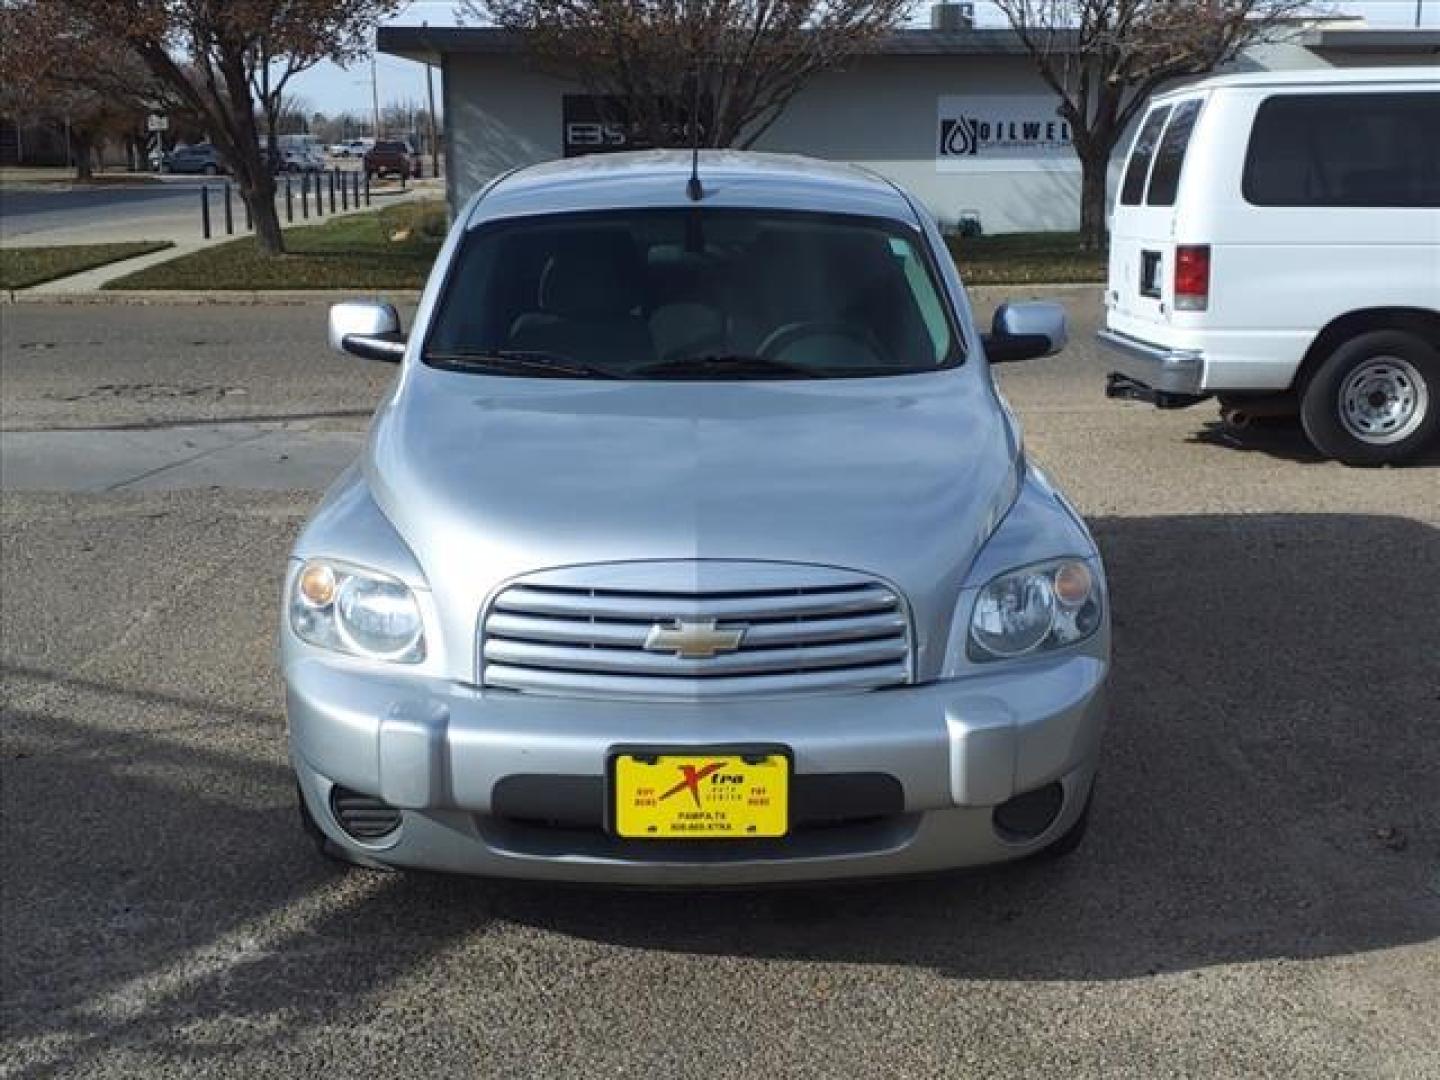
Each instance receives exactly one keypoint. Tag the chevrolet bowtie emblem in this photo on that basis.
(697, 640)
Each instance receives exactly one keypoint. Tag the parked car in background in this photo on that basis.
(352, 148)
(301, 153)
(200, 158)
(299, 159)
(1276, 243)
(392, 157)
(695, 545)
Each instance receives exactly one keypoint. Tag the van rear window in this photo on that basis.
(1356, 149)
(1138, 168)
(1170, 157)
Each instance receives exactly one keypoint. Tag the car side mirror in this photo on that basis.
(367, 329)
(1024, 331)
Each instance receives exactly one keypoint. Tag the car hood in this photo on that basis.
(488, 478)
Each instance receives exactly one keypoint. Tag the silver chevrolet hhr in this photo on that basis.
(694, 545)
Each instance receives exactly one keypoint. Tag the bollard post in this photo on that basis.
(249, 221)
(289, 202)
(332, 191)
(367, 187)
(344, 192)
(205, 211)
(305, 196)
(229, 211)
(319, 198)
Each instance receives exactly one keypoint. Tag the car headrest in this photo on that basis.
(592, 277)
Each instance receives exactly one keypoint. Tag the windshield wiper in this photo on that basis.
(734, 364)
(544, 364)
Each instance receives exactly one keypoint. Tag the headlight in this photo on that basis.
(356, 611)
(1034, 609)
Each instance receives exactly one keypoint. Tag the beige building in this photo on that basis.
(958, 117)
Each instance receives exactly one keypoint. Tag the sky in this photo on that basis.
(331, 89)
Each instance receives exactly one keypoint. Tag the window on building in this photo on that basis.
(1355, 149)
(1170, 157)
(1141, 154)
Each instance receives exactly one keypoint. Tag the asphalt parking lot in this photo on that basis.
(1259, 893)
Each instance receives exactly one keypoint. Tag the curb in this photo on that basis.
(160, 298)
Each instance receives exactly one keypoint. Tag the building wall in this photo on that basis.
(880, 112)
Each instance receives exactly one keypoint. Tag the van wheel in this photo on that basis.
(1373, 401)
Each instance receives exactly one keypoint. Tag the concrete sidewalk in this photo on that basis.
(93, 280)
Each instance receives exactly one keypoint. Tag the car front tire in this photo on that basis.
(1375, 400)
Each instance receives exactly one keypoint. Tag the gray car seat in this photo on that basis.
(591, 295)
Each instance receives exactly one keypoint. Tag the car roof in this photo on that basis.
(659, 178)
(1312, 77)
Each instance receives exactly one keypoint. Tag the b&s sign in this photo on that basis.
(989, 133)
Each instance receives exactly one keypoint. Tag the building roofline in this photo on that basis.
(427, 44)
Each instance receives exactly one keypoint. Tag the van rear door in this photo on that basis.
(1142, 236)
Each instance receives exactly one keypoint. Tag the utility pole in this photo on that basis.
(434, 141)
(374, 98)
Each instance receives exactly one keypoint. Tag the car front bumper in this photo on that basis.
(444, 753)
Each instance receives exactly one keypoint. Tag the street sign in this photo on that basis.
(157, 123)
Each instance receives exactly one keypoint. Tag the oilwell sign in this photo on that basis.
(988, 133)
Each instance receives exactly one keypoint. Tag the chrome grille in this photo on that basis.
(831, 631)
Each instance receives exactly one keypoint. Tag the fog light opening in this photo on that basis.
(363, 817)
(1027, 816)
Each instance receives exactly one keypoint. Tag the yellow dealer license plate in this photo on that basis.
(719, 796)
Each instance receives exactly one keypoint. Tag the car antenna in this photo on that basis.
(693, 187)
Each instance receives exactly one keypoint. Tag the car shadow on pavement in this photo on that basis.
(1278, 437)
(1267, 791)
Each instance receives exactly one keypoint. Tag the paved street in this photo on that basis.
(1259, 893)
(168, 209)
(101, 214)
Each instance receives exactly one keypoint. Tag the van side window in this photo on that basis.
(1133, 186)
(1170, 158)
(1358, 149)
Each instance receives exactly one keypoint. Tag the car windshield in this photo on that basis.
(693, 294)
(390, 147)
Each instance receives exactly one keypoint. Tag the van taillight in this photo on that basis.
(1192, 277)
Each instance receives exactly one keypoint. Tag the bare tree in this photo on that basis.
(224, 61)
(1104, 58)
(737, 63)
(292, 117)
(53, 67)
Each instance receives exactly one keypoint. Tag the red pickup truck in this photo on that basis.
(392, 157)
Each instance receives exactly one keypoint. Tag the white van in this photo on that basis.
(1276, 243)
